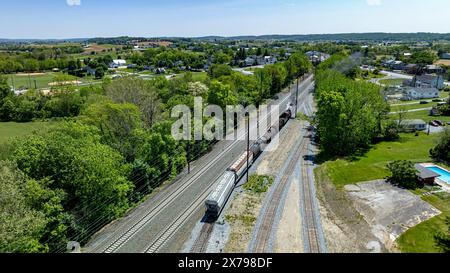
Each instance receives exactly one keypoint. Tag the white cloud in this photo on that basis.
(73, 2)
(374, 2)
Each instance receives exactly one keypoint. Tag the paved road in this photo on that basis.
(412, 111)
(171, 202)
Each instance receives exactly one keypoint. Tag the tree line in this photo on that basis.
(350, 113)
(67, 182)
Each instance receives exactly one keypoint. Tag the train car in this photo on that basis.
(239, 167)
(218, 198)
(285, 117)
(271, 133)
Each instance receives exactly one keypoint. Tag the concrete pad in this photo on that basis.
(388, 209)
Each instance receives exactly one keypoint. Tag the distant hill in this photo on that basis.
(408, 37)
(344, 37)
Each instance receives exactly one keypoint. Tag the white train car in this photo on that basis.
(218, 198)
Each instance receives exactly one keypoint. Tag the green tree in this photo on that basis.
(118, 124)
(92, 176)
(442, 150)
(403, 174)
(143, 94)
(218, 70)
(21, 226)
(221, 94)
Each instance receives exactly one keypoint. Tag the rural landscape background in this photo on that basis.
(88, 162)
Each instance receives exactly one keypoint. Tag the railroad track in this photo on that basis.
(201, 243)
(166, 234)
(162, 204)
(262, 239)
(310, 223)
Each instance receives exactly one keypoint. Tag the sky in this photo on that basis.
(46, 19)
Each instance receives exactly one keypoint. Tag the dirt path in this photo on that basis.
(289, 233)
(345, 229)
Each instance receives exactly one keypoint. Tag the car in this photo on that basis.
(438, 122)
(424, 102)
(437, 100)
(448, 123)
(434, 124)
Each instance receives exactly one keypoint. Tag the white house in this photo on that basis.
(429, 81)
(445, 56)
(417, 93)
(117, 63)
(270, 59)
(412, 125)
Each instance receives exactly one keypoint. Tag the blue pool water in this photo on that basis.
(444, 175)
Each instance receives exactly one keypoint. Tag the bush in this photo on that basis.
(404, 174)
(442, 150)
(258, 183)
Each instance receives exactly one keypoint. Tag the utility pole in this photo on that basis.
(296, 100)
(247, 115)
(189, 156)
(13, 84)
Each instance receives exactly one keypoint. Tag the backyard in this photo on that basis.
(372, 165)
(420, 239)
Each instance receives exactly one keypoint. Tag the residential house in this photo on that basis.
(394, 65)
(317, 57)
(412, 125)
(411, 68)
(90, 71)
(433, 69)
(445, 56)
(249, 61)
(429, 81)
(418, 93)
(117, 63)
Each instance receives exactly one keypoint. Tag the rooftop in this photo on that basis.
(424, 173)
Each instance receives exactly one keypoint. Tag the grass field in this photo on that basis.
(372, 165)
(420, 239)
(10, 130)
(442, 95)
(412, 106)
(424, 115)
(33, 80)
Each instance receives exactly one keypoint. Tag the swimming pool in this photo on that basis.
(444, 175)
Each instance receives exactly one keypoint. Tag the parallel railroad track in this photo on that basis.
(264, 232)
(310, 223)
(162, 204)
(201, 243)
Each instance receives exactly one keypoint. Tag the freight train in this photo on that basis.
(227, 182)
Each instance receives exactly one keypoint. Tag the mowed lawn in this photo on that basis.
(424, 115)
(9, 130)
(392, 82)
(420, 239)
(372, 165)
(32, 80)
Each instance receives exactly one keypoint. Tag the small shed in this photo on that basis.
(426, 176)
